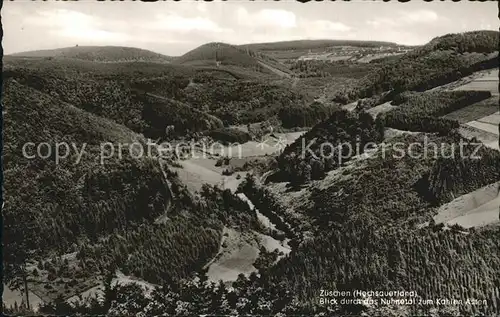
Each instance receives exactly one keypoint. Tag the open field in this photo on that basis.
(120, 279)
(485, 80)
(375, 111)
(350, 106)
(491, 119)
(10, 297)
(485, 129)
(488, 138)
(235, 257)
(482, 85)
(488, 127)
(370, 57)
(238, 252)
(481, 80)
(194, 176)
(475, 209)
(475, 111)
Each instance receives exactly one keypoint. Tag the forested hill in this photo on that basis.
(442, 60)
(100, 54)
(469, 42)
(222, 54)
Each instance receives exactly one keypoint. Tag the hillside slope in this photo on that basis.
(53, 194)
(116, 99)
(73, 216)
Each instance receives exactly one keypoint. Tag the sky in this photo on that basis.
(173, 28)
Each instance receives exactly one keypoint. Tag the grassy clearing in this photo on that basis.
(488, 127)
(488, 138)
(236, 256)
(120, 279)
(11, 297)
(483, 81)
(380, 109)
(492, 119)
(478, 208)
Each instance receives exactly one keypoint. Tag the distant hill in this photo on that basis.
(208, 54)
(229, 55)
(312, 44)
(84, 68)
(100, 54)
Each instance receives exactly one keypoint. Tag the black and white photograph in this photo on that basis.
(250, 158)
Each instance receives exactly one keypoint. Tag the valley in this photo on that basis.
(241, 219)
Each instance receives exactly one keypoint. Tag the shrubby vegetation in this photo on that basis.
(183, 242)
(71, 200)
(160, 113)
(267, 204)
(241, 102)
(71, 67)
(266, 259)
(50, 205)
(366, 229)
(224, 53)
(367, 236)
